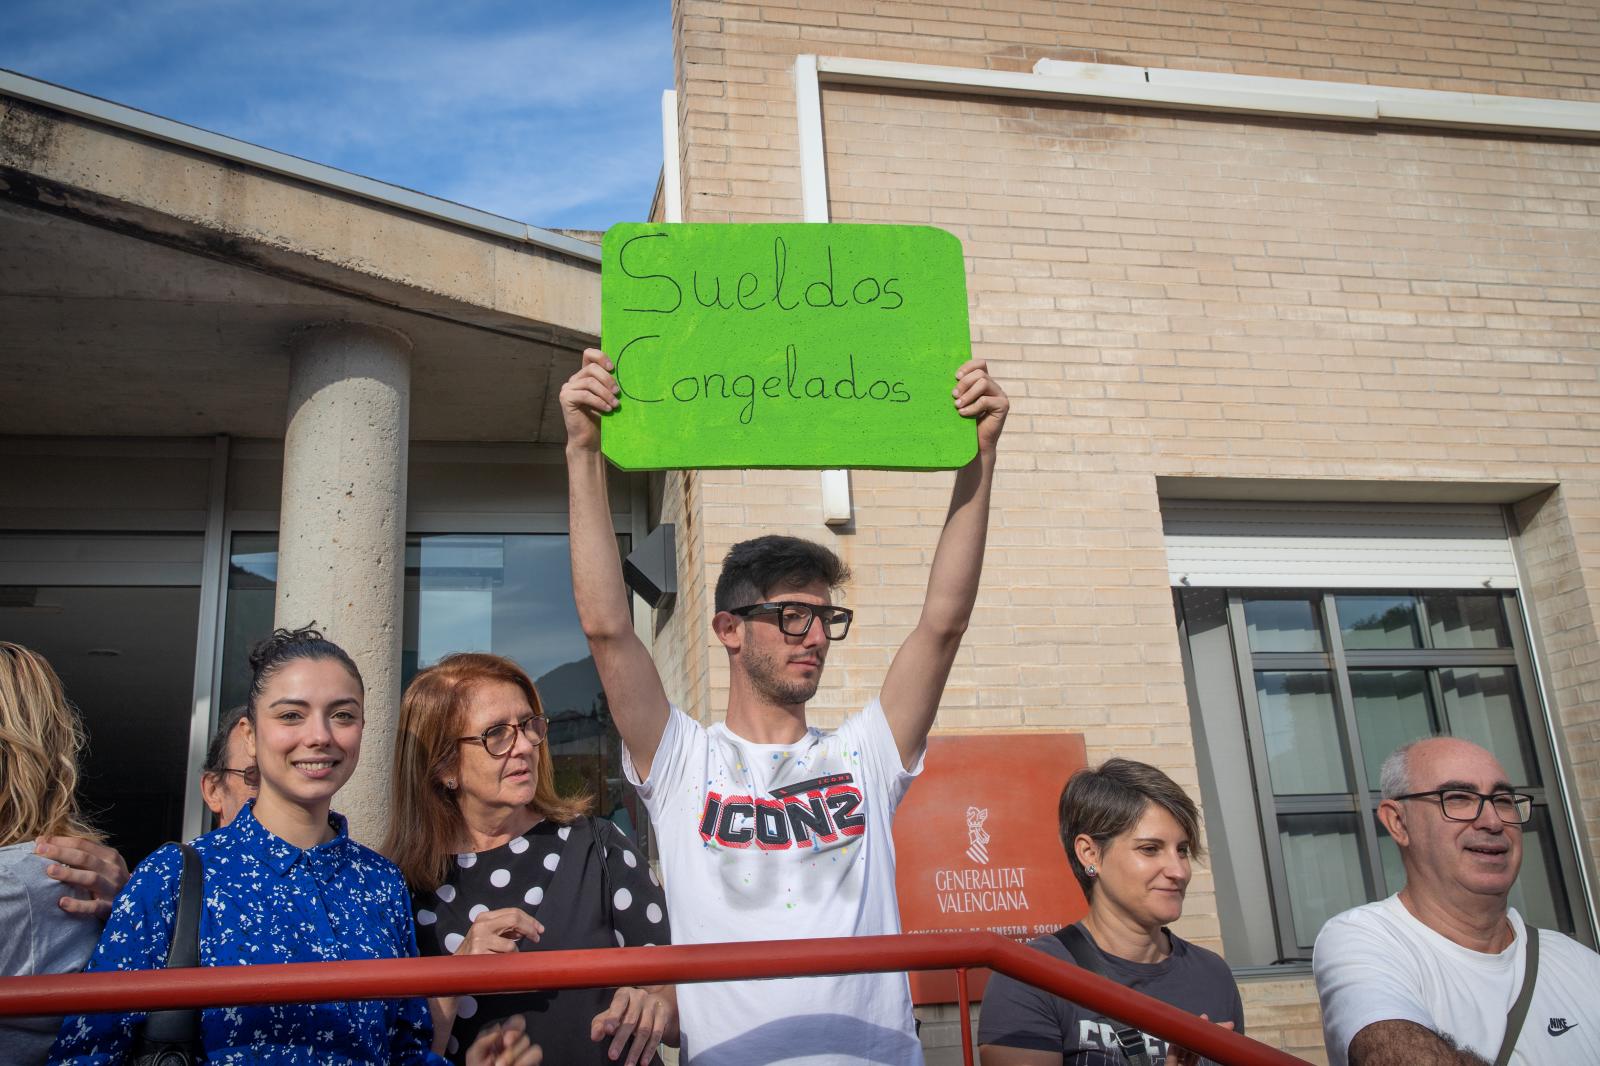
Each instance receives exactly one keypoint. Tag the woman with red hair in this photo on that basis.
(499, 861)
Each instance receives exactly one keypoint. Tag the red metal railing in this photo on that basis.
(478, 974)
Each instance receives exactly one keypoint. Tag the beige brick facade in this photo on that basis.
(1179, 295)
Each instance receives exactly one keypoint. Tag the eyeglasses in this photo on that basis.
(251, 776)
(795, 618)
(1463, 805)
(499, 739)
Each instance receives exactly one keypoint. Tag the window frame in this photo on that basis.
(1235, 771)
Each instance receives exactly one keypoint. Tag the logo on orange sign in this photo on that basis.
(977, 839)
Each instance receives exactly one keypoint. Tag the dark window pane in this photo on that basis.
(1369, 623)
(252, 591)
(1466, 620)
(1539, 895)
(1322, 864)
(1282, 625)
(1302, 733)
(511, 594)
(1484, 705)
(125, 656)
(1392, 707)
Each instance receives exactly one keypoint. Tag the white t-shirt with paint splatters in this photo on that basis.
(782, 842)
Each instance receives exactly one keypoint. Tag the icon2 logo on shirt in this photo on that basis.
(804, 815)
(1558, 1026)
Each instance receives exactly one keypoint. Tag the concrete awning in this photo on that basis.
(151, 275)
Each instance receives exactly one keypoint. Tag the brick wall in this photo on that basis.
(681, 648)
(1558, 543)
(1184, 296)
(736, 93)
(1281, 1014)
(1205, 297)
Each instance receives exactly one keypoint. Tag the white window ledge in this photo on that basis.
(1193, 90)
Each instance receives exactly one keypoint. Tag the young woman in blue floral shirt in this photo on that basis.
(283, 883)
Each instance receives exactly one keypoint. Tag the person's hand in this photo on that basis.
(635, 1013)
(978, 396)
(95, 870)
(506, 1044)
(497, 932)
(588, 394)
(1182, 1056)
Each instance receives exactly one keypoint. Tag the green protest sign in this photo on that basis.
(785, 345)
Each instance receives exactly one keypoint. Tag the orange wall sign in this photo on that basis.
(976, 844)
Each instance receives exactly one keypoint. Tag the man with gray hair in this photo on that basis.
(1432, 975)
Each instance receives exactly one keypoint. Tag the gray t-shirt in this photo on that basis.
(40, 938)
(1022, 1016)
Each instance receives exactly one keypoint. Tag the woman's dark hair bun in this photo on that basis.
(285, 645)
(264, 652)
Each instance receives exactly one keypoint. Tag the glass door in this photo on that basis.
(116, 615)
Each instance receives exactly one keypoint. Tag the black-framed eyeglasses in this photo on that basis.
(499, 739)
(795, 617)
(1464, 805)
(250, 775)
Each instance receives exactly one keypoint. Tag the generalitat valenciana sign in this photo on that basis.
(977, 846)
(784, 345)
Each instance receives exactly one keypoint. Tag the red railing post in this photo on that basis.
(966, 1016)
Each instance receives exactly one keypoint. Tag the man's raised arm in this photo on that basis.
(633, 687)
(916, 678)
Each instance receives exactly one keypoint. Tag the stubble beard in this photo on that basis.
(763, 674)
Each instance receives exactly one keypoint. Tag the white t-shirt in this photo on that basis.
(782, 842)
(1379, 963)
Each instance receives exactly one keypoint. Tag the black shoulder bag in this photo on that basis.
(172, 1037)
(1129, 1039)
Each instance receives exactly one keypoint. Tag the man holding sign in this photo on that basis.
(769, 828)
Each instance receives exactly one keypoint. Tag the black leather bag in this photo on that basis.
(172, 1037)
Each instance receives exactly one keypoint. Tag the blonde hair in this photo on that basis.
(425, 822)
(40, 738)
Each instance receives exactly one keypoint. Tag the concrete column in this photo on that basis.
(342, 527)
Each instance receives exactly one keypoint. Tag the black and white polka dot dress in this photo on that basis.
(557, 874)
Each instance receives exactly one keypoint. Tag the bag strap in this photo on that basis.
(1519, 1010)
(183, 951)
(567, 880)
(605, 870)
(1129, 1039)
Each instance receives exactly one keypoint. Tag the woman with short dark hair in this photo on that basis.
(1131, 835)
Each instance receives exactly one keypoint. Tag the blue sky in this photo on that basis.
(543, 111)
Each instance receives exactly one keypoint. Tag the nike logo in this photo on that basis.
(1558, 1026)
